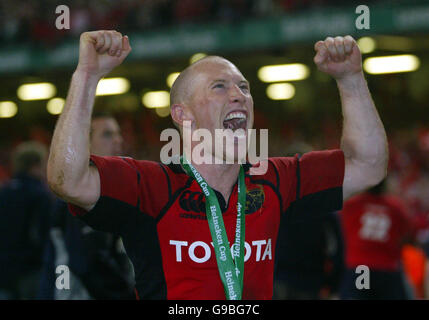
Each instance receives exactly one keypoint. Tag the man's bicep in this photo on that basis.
(356, 178)
(109, 192)
(88, 191)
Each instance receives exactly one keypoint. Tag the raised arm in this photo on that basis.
(69, 174)
(364, 141)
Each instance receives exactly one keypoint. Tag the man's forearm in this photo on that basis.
(69, 154)
(364, 138)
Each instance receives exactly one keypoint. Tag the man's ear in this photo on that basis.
(180, 113)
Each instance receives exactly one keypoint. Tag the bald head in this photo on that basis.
(182, 88)
(206, 91)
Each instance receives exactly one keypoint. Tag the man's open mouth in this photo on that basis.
(235, 120)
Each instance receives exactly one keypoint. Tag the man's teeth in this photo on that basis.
(235, 115)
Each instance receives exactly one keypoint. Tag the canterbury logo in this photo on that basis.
(192, 201)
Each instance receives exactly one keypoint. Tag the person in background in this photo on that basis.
(412, 184)
(309, 257)
(426, 271)
(25, 210)
(414, 260)
(99, 267)
(375, 227)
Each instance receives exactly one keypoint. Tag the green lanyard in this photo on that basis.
(231, 271)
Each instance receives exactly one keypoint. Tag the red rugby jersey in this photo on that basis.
(374, 228)
(159, 212)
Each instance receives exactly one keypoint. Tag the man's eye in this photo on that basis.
(219, 85)
(244, 87)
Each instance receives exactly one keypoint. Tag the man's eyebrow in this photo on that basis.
(218, 80)
(223, 80)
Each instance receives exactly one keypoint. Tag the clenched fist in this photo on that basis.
(101, 51)
(339, 57)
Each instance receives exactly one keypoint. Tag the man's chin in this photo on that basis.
(235, 154)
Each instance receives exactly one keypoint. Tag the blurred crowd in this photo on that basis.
(34, 21)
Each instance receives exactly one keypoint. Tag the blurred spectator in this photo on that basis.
(309, 257)
(375, 227)
(426, 280)
(415, 267)
(414, 183)
(97, 261)
(25, 208)
(410, 181)
(80, 18)
(3, 175)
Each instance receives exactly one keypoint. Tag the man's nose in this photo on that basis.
(119, 139)
(236, 95)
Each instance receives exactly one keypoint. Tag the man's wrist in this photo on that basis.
(84, 75)
(351, 81)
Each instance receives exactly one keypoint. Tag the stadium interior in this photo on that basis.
(300, 107)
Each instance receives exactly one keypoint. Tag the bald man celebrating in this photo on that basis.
(204, 230)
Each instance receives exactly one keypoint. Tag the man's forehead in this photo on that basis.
(217, 68)
(104, 123)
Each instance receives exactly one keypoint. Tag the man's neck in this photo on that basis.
(221, 177)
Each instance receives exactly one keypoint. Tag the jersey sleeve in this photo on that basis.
(126, 193)
(311, 183)
(118, 192)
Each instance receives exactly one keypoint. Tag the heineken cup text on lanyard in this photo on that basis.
(231, 267)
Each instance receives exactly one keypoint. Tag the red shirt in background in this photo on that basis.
(374, 227)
